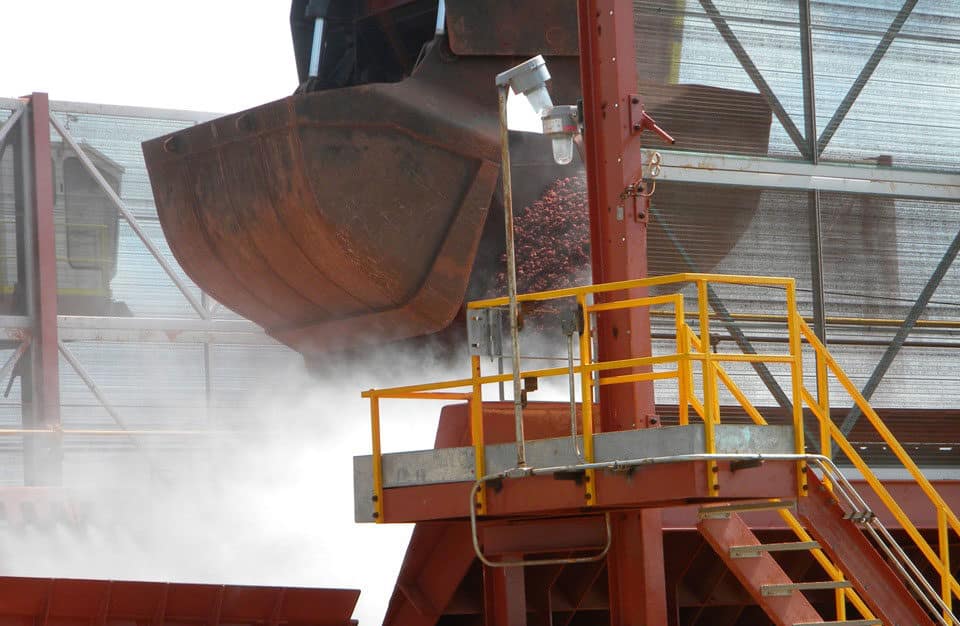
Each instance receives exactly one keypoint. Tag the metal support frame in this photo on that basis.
(8, 125)
(908, 323)
(618, 232)
(754, 73)
(105, 403)
(504, 593)
(39, 334)
(861, 81)
(131, 219)
(37, 281)
(813, 197)
(764, 172)
(731, 325)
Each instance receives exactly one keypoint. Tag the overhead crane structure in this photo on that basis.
(570, 530)
(623, 512)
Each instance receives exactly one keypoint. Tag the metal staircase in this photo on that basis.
(732, 473)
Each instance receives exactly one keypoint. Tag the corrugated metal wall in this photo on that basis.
(878, 251)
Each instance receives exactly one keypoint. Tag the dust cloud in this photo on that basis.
(268, 503)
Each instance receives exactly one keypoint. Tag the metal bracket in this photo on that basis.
(641, 121)
(736, 466)
(484, 332)
(636, 114)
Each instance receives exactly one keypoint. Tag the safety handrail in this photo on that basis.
(694, 346)
(708, 410)
(946, 518)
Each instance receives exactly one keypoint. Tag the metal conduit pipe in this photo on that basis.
(507, 182)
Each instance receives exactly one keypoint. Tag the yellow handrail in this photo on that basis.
(694, 346)
(946, 518)
(590, 371)
(819, 555)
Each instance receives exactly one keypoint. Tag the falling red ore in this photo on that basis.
(552, 240)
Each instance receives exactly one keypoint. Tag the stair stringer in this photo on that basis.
(874, 580)
(729, 530)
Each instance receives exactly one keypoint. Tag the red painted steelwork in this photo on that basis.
(635, 573)
(618, 231)
(437, 560)
(608, 76)
(504, 595)
(511, 28)
(500, 538)
(878, 585)
(44, 350)
(723, 534)
(61, 602)
(654, 486)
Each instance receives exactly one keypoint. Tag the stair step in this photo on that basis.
(747, 552)
(852, 622)
(724, 510)
(789, 588)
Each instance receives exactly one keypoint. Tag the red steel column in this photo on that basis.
(618, 234)
(44, 466)
(618, 225)
(504, 595)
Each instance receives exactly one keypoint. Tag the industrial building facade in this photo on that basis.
(833, 157)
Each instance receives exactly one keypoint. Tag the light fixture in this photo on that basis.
(560, 122)
(529, 79)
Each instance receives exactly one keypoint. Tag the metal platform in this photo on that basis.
(446, 466)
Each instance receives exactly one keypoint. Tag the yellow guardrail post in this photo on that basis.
(476, 433)
(823, 397)
(796, 380)
(944, 539)
(586, 401)
(377, 459)
(711, 404)
(683, 365)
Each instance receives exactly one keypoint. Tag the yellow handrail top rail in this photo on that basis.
(654, 281)
(695, 348)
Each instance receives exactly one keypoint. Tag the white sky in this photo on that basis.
(201, 55)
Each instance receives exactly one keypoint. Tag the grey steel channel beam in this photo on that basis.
(813, 197)
(770, 173)
(754, 73)
(897, 342)
(861, 81)
(162, 330)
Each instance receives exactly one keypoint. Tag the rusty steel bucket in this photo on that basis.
(336, 218)
(350, 217)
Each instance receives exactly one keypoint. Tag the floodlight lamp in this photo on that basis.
(530, 80)
(560, 124)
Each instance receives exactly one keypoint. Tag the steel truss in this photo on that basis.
(41, 336)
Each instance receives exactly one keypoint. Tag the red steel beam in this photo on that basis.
(39, 369)
(504, 595)
(56, 602)
(44, 344)
(868, 572)
(437, 560)
(635, 573)
(618, 237)
(618, 224)
(723, 534)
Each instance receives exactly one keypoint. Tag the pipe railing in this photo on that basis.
(693, 346)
